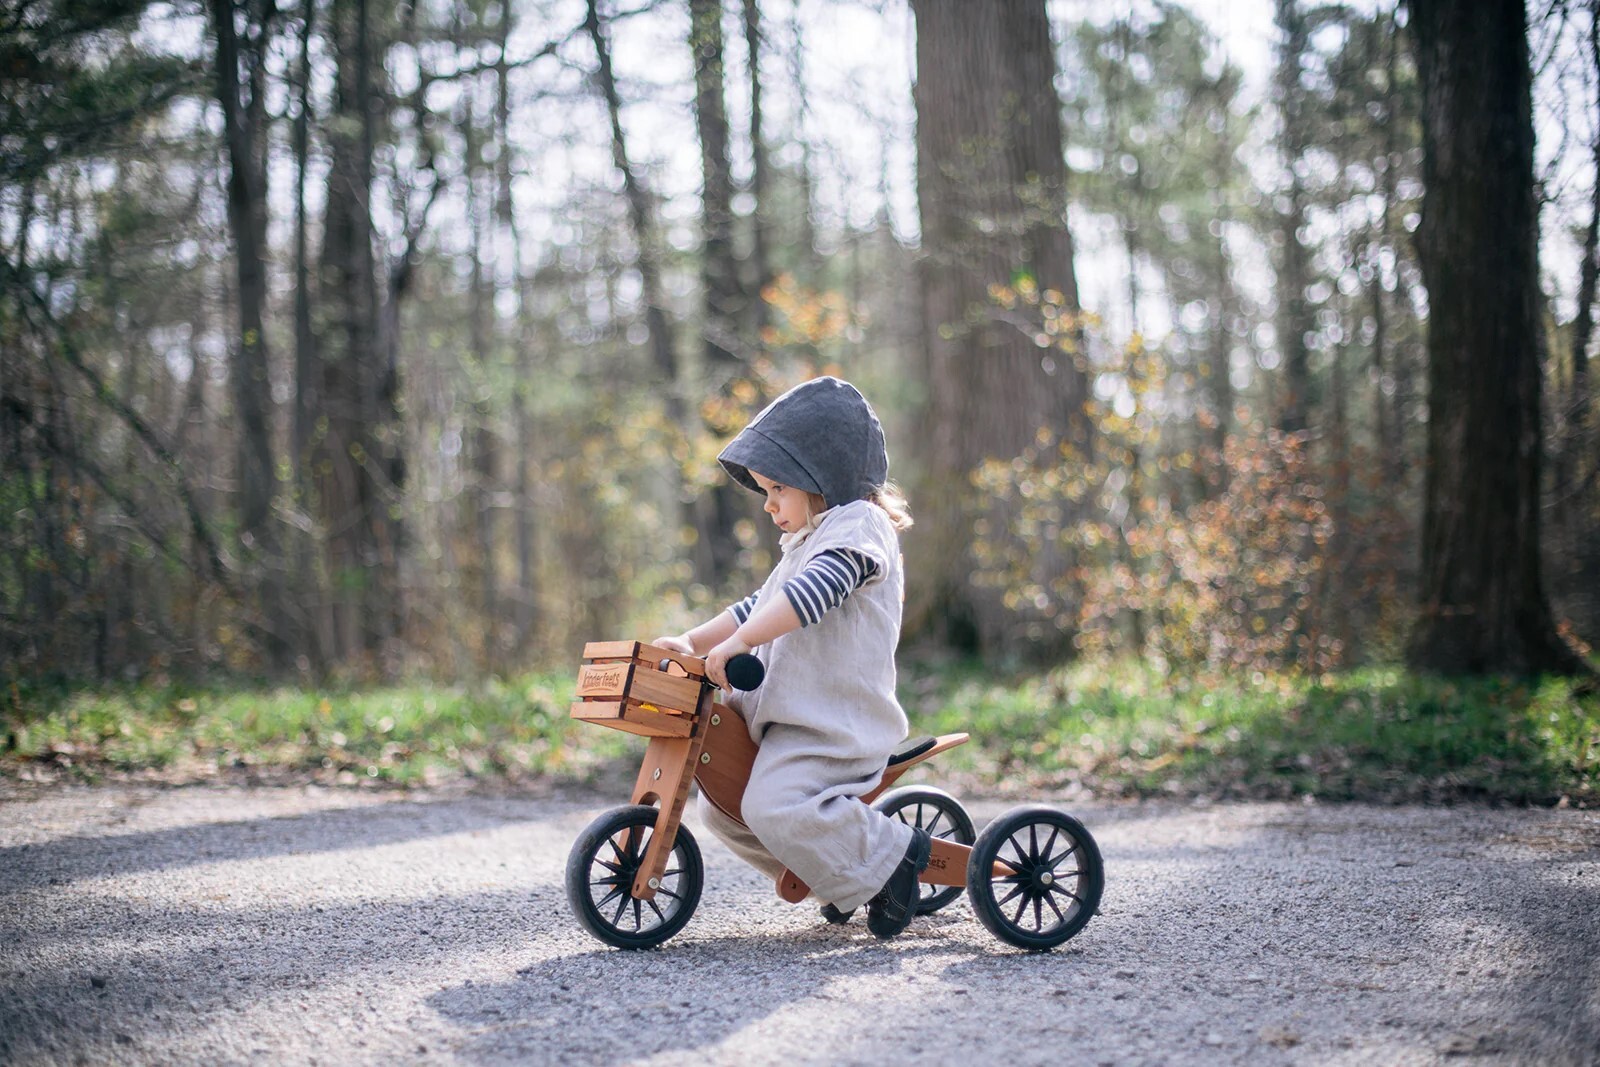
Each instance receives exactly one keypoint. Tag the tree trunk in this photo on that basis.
(358, 461)
(257, 472)
(1294, 319)
(315, 636)
(1484, 607)
(483, 449)
(991, 179)
(525, 614)
(660, 334)
(724, 352)
(760, 179)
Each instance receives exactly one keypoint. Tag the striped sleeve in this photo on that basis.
(826, 581)
(741, 610)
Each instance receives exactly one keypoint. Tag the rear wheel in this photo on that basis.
(944, 819)
(603, 864)
(1035, 877)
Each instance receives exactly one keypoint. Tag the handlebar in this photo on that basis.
(744, 671)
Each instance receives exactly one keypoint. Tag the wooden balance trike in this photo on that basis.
(1034, 876)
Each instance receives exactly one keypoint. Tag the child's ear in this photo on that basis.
(818, 505)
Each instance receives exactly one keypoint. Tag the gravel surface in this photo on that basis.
(304, 925)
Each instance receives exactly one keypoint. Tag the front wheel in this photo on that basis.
(943, 817)
(1035, 877)
(602, 866)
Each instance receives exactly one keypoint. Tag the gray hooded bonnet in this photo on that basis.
(821, 436)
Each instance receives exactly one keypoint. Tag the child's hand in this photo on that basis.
(717, 660)
(675, 644)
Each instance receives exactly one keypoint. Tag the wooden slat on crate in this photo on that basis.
(604, 680)
(610, 650)
(635, 720)
(653, 655)
(664, 691)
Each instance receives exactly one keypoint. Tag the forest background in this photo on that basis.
(360, 360)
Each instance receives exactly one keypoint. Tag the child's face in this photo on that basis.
(789, 507)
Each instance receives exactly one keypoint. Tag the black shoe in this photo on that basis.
(892, 909)
(835, 916)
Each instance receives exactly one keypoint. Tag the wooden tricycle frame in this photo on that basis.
(666, 697)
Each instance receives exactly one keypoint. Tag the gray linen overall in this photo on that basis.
(826, 718)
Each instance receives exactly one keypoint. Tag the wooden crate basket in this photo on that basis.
(621, 685)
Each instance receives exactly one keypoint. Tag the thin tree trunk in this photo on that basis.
(526, 601)
(1578, 440)
(314, 637)
(760, 181)
(483, 446)
(1294, 320)
(305, 377)
(257, 471)
(716, 508)
(359, 456)
(660, 334)
(1227, 311)
(1391, 432)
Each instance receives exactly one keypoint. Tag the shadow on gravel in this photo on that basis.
(1449, 902)
(70, 859)
(608, 1006)
(1563, 999)
(161, 970)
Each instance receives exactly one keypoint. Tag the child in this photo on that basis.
(825, 625)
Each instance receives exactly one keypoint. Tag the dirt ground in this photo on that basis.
(143, 925)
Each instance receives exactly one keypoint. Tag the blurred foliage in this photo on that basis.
(1223, 580)
(556, 487)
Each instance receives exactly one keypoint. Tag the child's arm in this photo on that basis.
(767, 623)
(703, 637)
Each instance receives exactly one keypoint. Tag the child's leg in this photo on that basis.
(739, 839)
(802, 806)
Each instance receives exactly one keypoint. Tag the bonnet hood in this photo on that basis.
(821, 436)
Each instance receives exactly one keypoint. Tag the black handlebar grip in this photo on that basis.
(745, 671)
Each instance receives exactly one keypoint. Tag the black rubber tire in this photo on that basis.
(943, 817)
(600, 872)
(1056, 862)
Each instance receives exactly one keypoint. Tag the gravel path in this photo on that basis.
(289, 925)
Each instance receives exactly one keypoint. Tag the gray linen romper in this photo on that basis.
(826, 718)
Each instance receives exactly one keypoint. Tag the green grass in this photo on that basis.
(1379, 734)
(407, 735)
(1116, 730)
